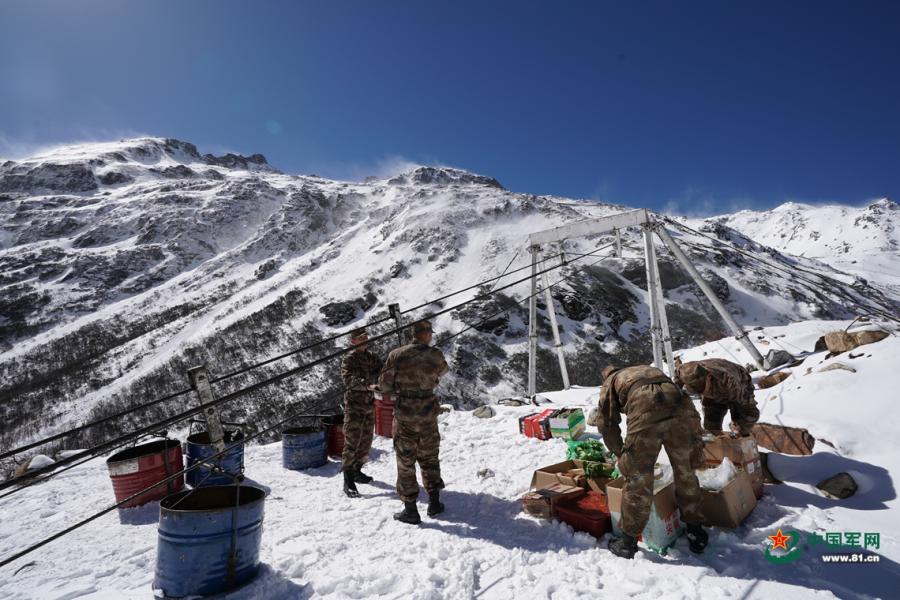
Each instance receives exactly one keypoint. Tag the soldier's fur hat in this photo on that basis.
(358, 333)
(608, 370)
(422, 326)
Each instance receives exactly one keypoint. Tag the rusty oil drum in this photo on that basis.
(136, 468)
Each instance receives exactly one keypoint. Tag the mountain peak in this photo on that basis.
(429, 175)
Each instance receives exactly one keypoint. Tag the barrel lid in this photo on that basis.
(201, 438)
(148, 449)
(213, 498)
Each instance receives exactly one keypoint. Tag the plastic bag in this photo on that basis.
(718, 477)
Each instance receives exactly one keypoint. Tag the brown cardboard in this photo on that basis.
(740, 450)
(569, 472)
(543, 502)
(664, 525)
(729, 506)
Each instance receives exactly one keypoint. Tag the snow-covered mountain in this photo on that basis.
(864, 241)
(122, 264)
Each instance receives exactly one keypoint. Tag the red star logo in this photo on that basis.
(779, 540)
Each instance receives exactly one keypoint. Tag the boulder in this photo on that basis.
(485, 474)
(840, 341)
(772, 379)
(838, 486)
(444, 409)
(513, 402)
(777, 358)
(820, 346)
(869, 336)
(483, 412)
(837, 366)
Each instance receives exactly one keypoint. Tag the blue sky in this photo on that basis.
(698, 106)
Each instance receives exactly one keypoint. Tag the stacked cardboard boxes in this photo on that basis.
(568, 472)
(543, 502)
(740, 450)
(536, 425)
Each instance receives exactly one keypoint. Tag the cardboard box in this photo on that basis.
(567, 423)
(729, 506)
(522, 421)
(536, 425)
(742, 451)
(543, 502)
(664, 525)
(569, 472)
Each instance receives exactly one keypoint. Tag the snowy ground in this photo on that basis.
(317, 543)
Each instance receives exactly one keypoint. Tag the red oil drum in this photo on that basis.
(384, 415)
(335, 436)
(136, 468)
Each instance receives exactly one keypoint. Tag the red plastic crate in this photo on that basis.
(590, 514)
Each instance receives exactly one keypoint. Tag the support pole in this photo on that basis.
(551, 311)
(618, 243)
(394, 311)
(200, 382)
(532, 323)
(665, 336)
(655, 331)
(739, 334)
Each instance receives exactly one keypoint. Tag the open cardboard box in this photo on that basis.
(543, 502)
(569, 472)
(729, 506)
(742, 451)
(664, 525)
(567, 423)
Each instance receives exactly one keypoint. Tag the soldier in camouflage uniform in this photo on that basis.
(723, 386)
(411, 373)
(359, 370)
(659, 415)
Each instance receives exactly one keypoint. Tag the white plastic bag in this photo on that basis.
(716, 478)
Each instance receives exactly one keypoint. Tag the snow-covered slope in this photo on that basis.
(123, 264)
(319, 544)
(864, 241)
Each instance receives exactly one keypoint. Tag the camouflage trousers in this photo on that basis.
(359, 428)
(744, 416)
(681, 439)
(417, 440)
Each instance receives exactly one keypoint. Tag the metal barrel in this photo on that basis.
(209, 540)
(334, 426)
(384, 415)
(303, 448)
(143, 465)
(199, 448)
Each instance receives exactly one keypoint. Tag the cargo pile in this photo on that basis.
(585, 490)
(563, 423)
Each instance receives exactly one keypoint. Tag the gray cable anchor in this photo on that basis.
(200, 383)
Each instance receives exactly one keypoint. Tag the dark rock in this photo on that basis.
(339, 313)
(115, 178)
(839, 486)
(485, 474)
(777, 358)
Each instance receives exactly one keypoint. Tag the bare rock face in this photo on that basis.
(840, 486)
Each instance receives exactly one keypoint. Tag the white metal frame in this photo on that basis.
(659, 323)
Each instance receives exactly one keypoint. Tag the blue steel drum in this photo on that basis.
(304, 448)
(198, 448)
(209, 540)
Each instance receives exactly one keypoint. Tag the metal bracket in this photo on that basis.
(394, 311)
(200, 383)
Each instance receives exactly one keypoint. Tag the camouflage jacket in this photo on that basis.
(646, 396)
(723, 383)
(360, 369)
(414, 367)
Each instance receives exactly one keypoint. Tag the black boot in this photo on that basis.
(350, 484)
(435, 506)
(624, 546)
(697, 538)
(361, 477)
(409, 514)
